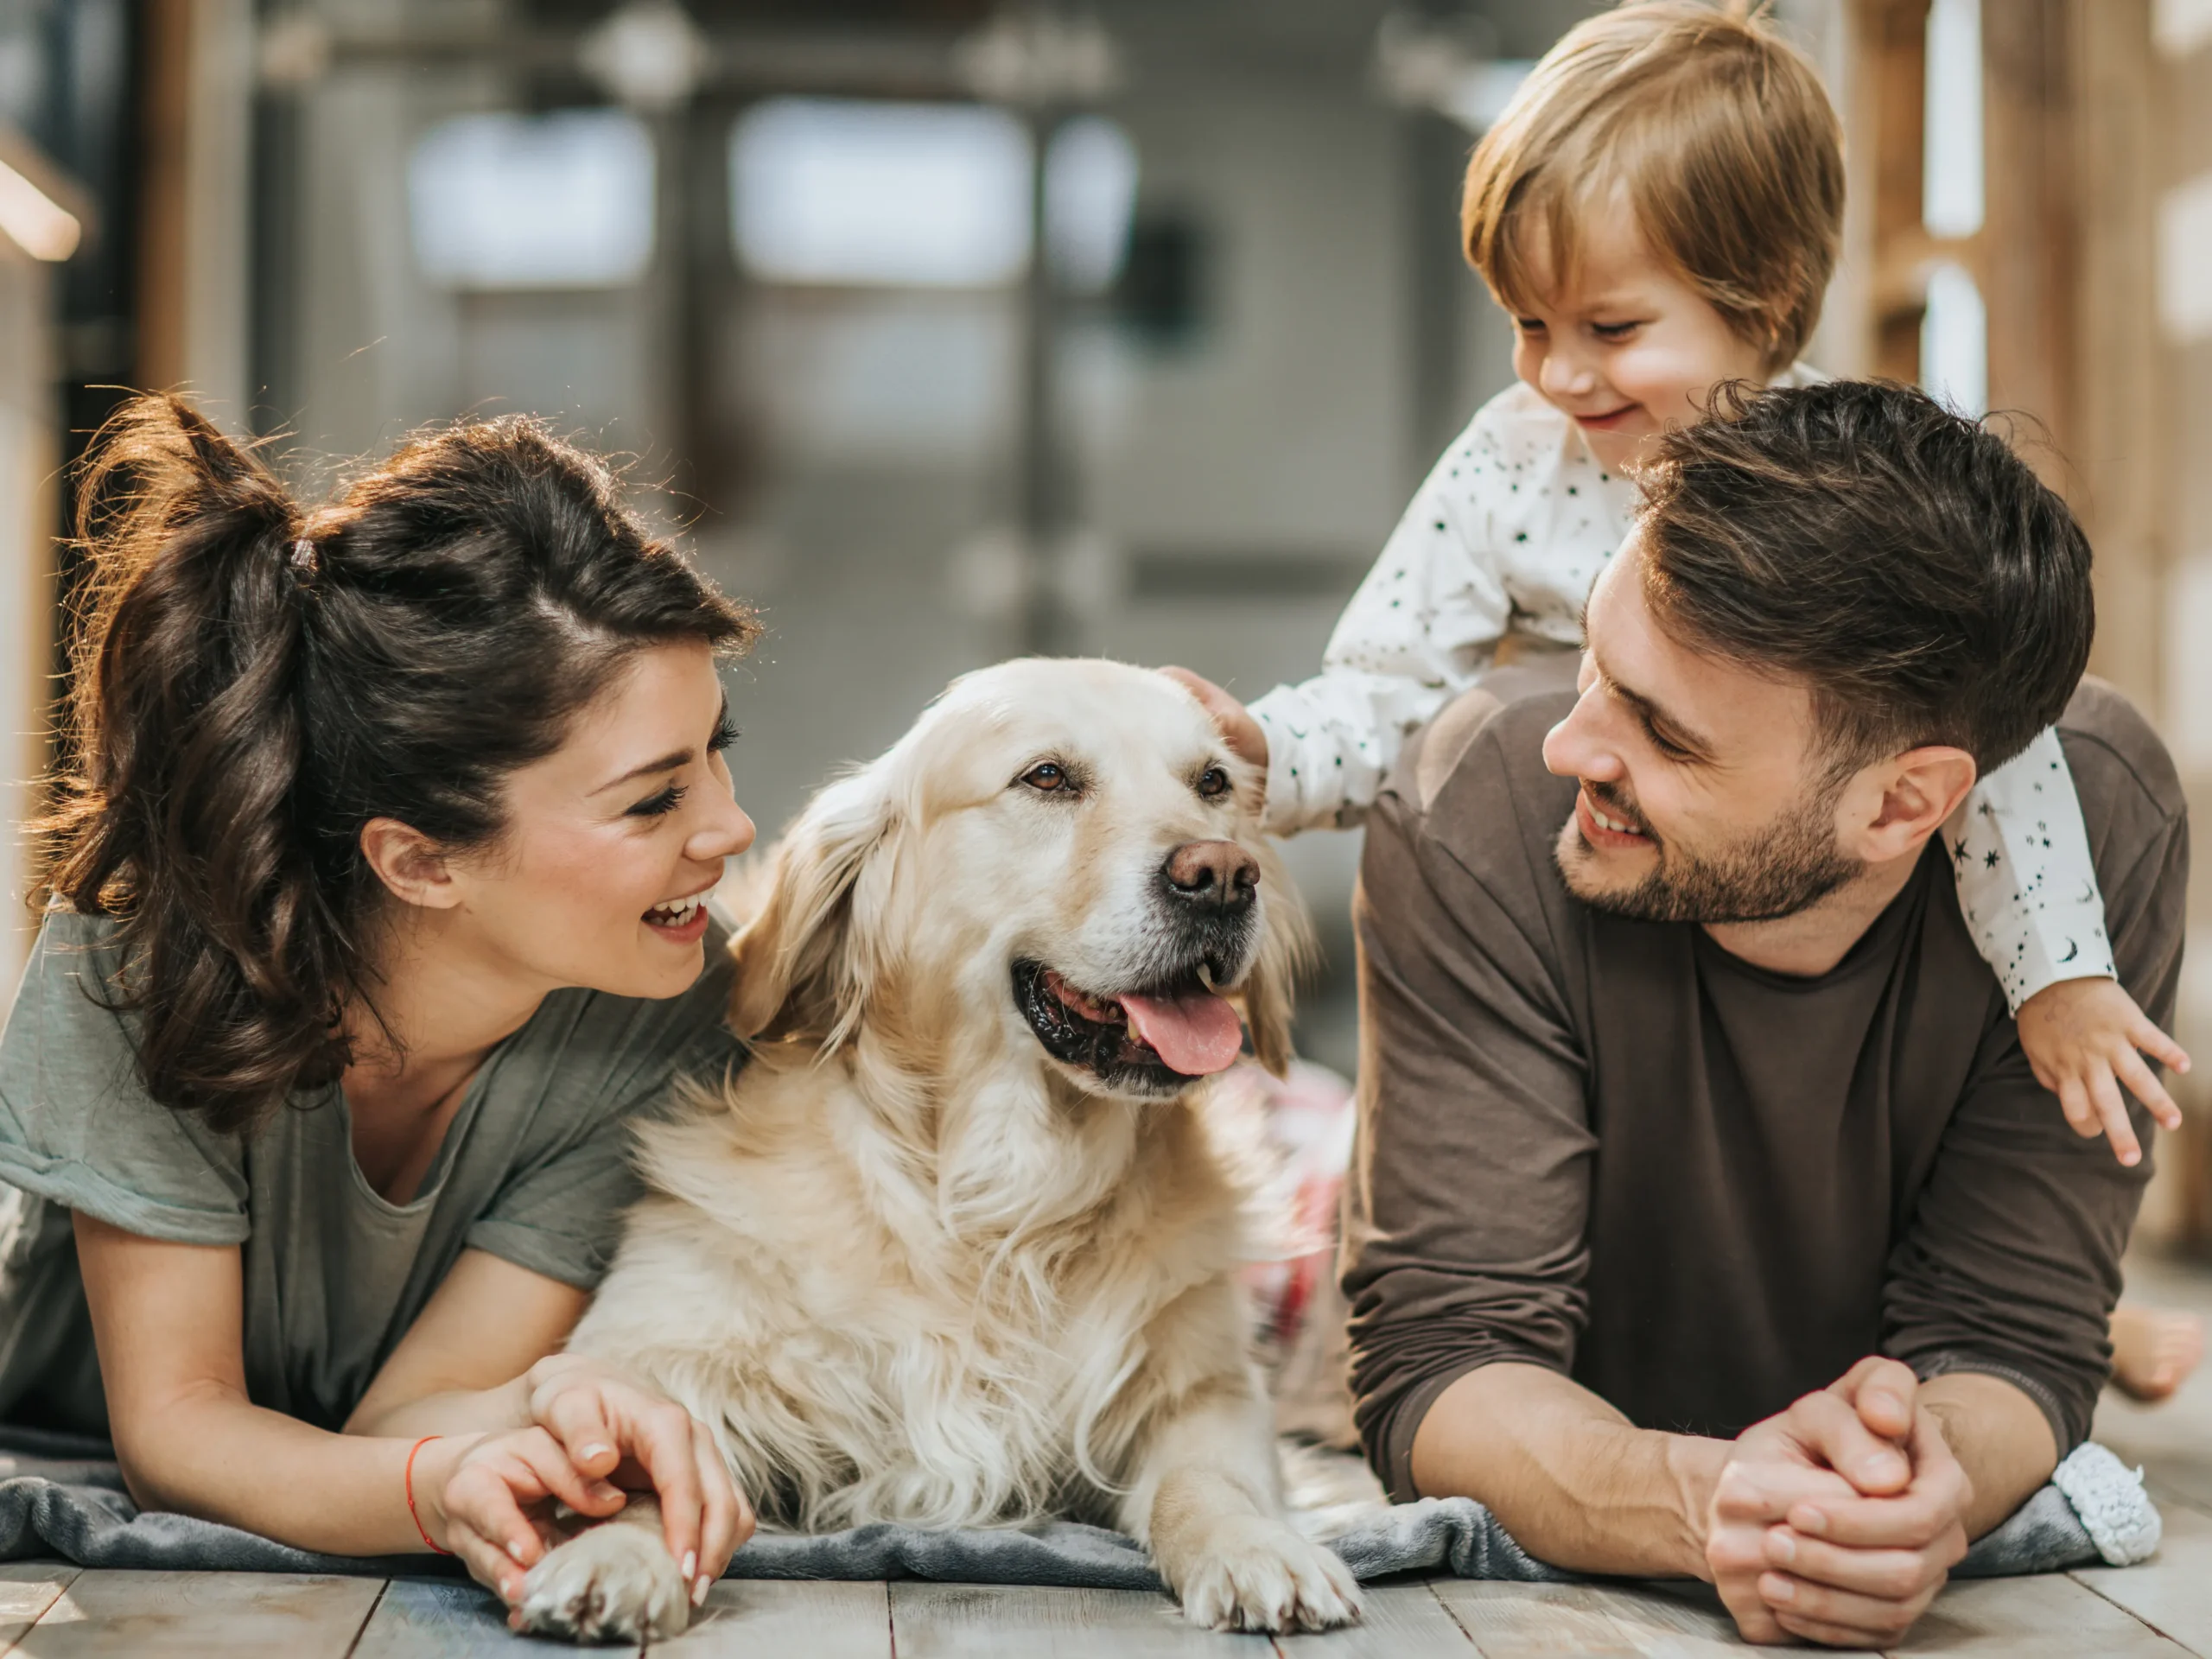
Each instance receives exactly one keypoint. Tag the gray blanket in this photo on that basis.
(62, 1497)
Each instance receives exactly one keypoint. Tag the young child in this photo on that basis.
(1659, 210)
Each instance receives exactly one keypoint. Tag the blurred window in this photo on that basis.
(855, 193)
(1955, 342)
(1951, 181)
(512, 202)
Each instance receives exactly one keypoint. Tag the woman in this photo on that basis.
(375, 911)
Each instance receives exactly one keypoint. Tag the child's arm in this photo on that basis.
(1422, 627)
(2028, 889)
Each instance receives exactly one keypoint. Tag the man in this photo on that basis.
(1684, 1096)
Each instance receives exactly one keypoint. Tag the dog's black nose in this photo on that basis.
(1216, 875)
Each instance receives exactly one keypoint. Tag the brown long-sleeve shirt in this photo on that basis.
(1700, 1188)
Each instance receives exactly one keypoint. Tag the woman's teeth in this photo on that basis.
(678, 913)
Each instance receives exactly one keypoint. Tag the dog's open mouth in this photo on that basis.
(1170, 1032)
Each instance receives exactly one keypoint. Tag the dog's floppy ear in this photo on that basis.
(1284, 955)
(805, 961)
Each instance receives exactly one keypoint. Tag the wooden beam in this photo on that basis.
(165, 111)
(1888, 114)
(2118, 433)
(2029, 225)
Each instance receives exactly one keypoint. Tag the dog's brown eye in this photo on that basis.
(1213, 781)
(1047, 777)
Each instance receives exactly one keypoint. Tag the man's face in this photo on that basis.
(1706, 795)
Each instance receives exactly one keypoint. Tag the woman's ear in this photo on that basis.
(1284, 955)
(408, 863)
(805, 963)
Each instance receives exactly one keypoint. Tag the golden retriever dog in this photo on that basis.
(955, 1248)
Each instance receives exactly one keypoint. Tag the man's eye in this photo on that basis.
(1213, 781)
(1048, 777)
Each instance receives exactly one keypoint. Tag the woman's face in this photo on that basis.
(614, 841)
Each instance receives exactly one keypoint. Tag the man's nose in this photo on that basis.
(1574, 749)
(1212, 875)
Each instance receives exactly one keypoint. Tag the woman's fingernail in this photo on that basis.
(1774, 1587)
(1781, 1547)
(591, 1454)
(691, 1562)
(514, 1548)
(1811, 1522)
(699, 1591)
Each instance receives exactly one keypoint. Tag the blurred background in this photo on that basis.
(947, 329)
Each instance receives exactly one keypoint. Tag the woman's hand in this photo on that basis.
(489, 1500)
(619, 1432)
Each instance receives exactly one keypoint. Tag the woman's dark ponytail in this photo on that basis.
(252, 685)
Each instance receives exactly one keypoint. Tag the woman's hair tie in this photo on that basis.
(304, 564)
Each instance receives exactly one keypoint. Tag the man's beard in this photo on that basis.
(1785, 867)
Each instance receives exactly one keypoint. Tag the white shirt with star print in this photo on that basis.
(1506, 536)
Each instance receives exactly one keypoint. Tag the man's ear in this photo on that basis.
(1919, 791)
(410, 863)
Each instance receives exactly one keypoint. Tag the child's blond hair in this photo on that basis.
(1717, 133)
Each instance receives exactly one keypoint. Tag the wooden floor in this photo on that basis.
(2163, 1607)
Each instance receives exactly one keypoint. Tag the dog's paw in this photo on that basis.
(610, 1584)
(1254, 1573)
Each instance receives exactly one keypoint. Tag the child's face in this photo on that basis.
(1626, 347)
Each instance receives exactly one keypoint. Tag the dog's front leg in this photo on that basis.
(1207, 1501)
(613, 1581)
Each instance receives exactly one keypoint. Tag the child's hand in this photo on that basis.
(2082, 1037)
(1238, 729)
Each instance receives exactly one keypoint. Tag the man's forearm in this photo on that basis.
(1574, 1482)
(2000, 1438)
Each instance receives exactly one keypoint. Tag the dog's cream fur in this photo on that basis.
(907, 1266)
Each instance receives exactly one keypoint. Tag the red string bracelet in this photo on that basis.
(412, 1513)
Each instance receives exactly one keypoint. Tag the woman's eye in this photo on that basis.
(660, 805)
(1614, 331)
(1047, 777)
(1213, 781)
(1529, 324)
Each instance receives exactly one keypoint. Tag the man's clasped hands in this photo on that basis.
(1838, 1520)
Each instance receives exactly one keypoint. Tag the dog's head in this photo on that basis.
(1063, 854)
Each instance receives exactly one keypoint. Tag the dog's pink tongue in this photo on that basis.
(1197, 1035)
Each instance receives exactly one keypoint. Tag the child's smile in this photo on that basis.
(1624, 347)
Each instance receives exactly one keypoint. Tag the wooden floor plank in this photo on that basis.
(1682, 1619)
(979, 1621)
(2172, 1592)
(1509, 1620)
(754, 1618)
(27, 1590)
(446, 1618)
(130, 1615)
(1402, 1621)
(2045, 1617)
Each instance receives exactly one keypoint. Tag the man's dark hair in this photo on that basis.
(1901, 559)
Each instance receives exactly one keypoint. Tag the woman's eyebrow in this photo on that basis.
(668, 762)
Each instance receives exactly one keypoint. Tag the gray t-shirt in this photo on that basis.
(535, 1169)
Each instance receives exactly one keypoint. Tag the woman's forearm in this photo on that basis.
(213, 1454)
(452, 1411)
